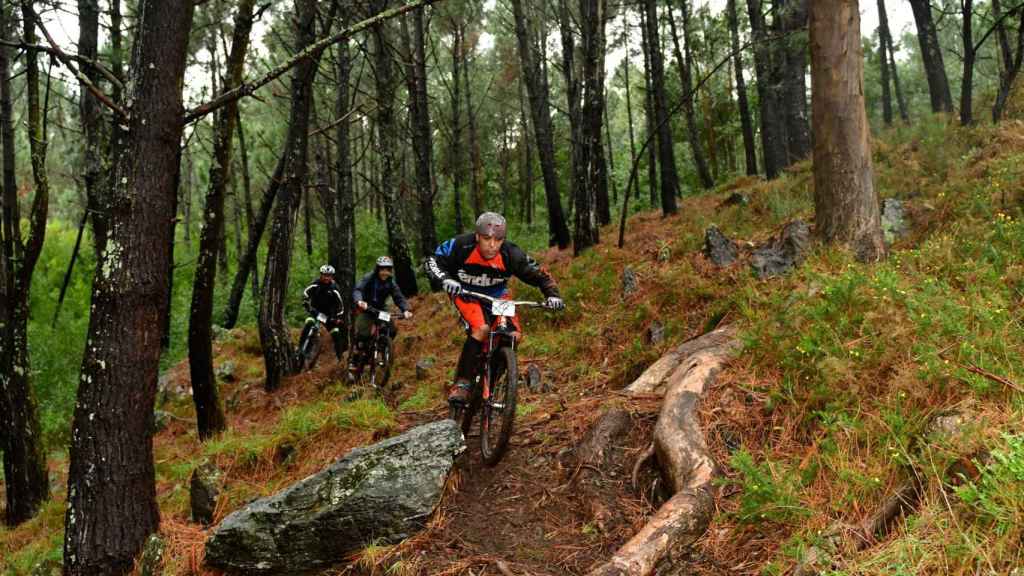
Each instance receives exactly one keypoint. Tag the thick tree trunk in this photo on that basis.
(666, 153)
(583, 199)
(931, 55)
(274, 336)
(749, 147)
(388, 144)
(537, 89)
(250, 220)
(24, 462)
(111, 482)
(422, 141)
(969, 55)
(1011, 60)
(209, 416)
(845, 201)
(773, 139)
(883, 64)
(685, 63)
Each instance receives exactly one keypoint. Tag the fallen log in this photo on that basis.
(686, 465)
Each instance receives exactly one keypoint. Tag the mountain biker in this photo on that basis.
(372, 292)
(324, 297)
(483, 262)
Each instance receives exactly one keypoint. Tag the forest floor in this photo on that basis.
(813, 425)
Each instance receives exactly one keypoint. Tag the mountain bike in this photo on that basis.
(377, 357)
(309, 342)
(495, 384)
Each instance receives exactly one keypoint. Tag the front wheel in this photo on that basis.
(499, 411)
(309, 349)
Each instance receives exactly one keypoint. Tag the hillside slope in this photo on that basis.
(820, 419)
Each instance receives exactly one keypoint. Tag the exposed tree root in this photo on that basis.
(687, 467)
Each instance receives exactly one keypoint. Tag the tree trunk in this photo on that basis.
(592, 19)
(685, 63)
(667, 160)
(422, 141)
(883, 64)
(526, 166)
(900, 99)
(773, 140)
(25, 474)
(274, 336)
(582, 198)
(209, 416)
(792, 64)
(537, 89)
(89, 113)
(931, 55)
(476, 192)
(250, 220)
(455, 158)
(629, 101)
(111, 482)
(345, 259)
(1011, 60)
(845, 201)
(652, 148)
(967, 81)
(749, 147)
(388, 144)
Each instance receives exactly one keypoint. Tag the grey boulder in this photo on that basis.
(382, 493)
(782, 254)
(718, 248)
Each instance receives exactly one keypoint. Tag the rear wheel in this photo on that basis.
(309, 349)
(499, 411)
(383, 360)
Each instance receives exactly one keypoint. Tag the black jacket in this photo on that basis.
(325, 298)
(458, 259)
(375, 292)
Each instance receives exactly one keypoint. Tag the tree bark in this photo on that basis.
(111, 482)
(250, 219)
(209, 416)
(422, 141)
(89, 114)
(749, 147)
(629, 100)
(969, 56)
(900, 99)
(845, 201)
(455, 158)
(526, 170)
(388, 144)
(25, 475)
(344, 260)
(883, 64)
(274, 336)
(652, 148)
(476, 191)
(773, 139)
(1011, 60)
(587, 231)
(931, 55)
(537, 89)
(685, 65)
(792, 16)
(666, 153)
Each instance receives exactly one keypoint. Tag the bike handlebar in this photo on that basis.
(526, 303)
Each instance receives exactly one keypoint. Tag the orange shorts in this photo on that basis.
(474, 315)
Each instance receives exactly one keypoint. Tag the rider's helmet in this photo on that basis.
(491, 224)
(327, 270)
(385, 262)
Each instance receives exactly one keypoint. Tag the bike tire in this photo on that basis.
(310, 350)
(498, 414)
(384, 347)
(470, 410)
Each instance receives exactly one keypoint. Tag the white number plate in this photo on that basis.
(503, 308)
(384, 316)
(322, 318)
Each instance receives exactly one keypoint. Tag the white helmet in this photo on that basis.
(327, 269)
(385, 262)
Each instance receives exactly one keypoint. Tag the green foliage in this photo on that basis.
(769, 491)
(996, 498)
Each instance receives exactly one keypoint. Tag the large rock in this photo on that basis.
(630, 282)
(784, 253)
(718, 248)
(382, 493)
